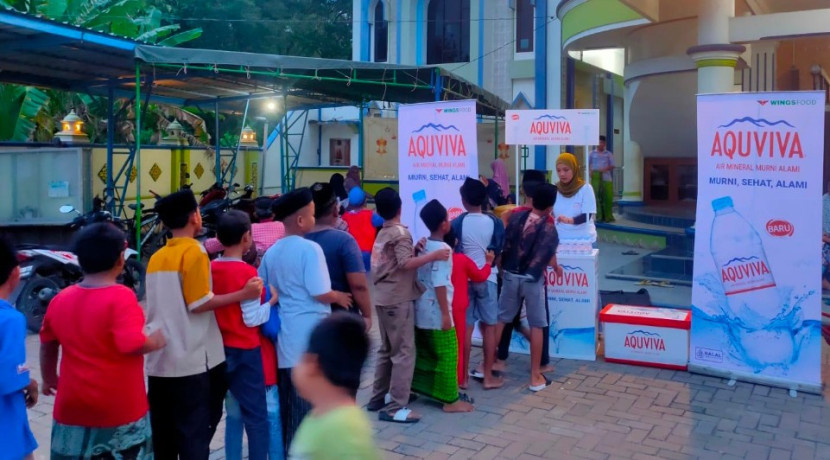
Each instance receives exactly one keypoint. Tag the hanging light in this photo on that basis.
(72, 129)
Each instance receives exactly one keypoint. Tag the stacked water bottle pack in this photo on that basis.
(579, 245)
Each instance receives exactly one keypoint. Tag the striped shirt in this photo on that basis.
(179, 281)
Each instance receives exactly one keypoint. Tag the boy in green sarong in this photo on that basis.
(436, 345)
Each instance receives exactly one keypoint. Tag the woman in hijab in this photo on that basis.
(575, 204)
(337, 180)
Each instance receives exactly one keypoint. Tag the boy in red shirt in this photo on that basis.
(238, 323)
(464, 270)
(101, 403)
(362, 224)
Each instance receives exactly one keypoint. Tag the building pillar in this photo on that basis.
(632, 156)
(714, 55)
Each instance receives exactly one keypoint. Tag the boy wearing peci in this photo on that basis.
(186, 379)
(296, 267)
(394, 270)
(436, 364)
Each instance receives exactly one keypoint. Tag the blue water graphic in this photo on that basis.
(783, 345)
(572, 342)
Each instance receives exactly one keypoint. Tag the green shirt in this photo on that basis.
(344, 433)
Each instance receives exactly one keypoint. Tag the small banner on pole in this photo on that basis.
(552, 127)
(756, 297)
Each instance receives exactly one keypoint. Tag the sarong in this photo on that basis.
(131, 441)
(436, 363)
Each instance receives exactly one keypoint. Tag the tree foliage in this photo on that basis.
(126, 18)
(37, 112)
(315, 28)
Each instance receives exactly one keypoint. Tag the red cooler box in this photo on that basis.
(647, 336)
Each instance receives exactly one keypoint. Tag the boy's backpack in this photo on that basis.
(496, 242)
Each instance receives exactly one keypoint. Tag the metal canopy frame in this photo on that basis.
(41, 52)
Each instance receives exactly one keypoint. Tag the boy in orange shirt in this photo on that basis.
(186, 379)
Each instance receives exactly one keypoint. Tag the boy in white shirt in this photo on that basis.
(435, 341)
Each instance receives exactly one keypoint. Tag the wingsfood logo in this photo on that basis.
(454, 110)
(787, 102)
(437, 140)
(749, 137)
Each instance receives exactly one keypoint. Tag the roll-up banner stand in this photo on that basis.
(437, 151)
(756, 295)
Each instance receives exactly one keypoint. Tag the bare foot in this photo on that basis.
(499, 365)
(547, 368)
(463, 385)
(459, 406)
(493, 382)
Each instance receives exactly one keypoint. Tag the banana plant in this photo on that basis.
(37, 112)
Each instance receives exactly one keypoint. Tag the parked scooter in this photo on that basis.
(45, 271)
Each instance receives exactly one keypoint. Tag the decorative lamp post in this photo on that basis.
(72, 129)
(175, 132)
(248, 138)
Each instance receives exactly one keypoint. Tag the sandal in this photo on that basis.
(537, 388)
(402, 415)
(466, 398)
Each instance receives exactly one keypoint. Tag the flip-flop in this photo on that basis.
(402, 415)
(538, 388)
(387, 399)
(466, 398)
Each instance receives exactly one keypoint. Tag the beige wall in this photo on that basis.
(801, 54)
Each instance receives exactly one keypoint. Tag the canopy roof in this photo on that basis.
(42, 52)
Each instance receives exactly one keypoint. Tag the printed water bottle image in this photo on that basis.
(420, 199)
(753, 301)
(739, 255)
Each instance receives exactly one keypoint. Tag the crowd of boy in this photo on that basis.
(263, 341)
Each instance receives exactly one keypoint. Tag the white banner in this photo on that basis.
(436, 151)
(756, 297)
(552, 127)
(573, 301)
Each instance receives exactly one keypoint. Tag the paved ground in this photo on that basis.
(594, 410)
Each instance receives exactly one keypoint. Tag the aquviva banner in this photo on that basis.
(756, 297)
(436, 151)
(572, 303)
(552, 127)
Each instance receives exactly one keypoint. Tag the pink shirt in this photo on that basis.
(265, 234)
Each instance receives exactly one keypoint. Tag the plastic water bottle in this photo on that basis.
(743, 268)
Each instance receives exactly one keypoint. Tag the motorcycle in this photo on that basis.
(45, 271)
